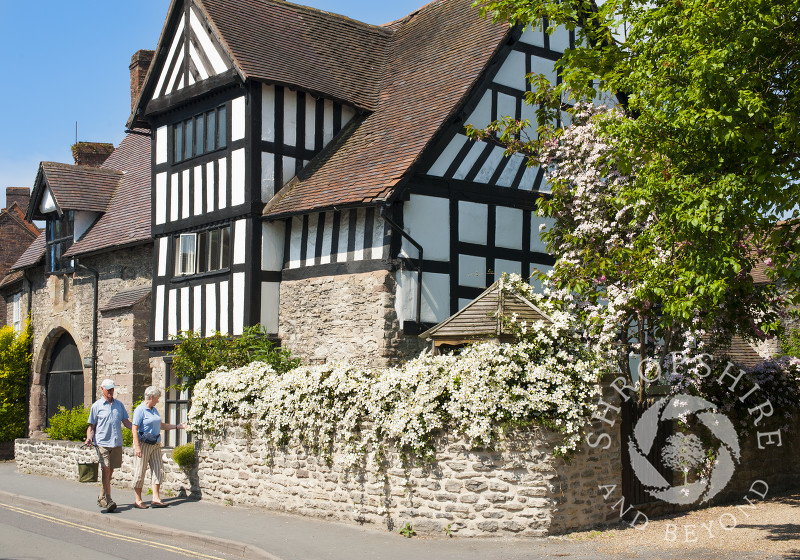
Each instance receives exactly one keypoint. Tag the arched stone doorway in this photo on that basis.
(64, 376)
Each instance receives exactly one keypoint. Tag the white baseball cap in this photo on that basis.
(107, 384)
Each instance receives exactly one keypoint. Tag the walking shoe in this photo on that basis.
(102, 502)
(112, 505)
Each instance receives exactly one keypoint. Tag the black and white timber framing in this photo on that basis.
(267, 134)
(471, 208)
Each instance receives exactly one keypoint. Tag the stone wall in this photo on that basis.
(60, 459)
(65, 304)
(347, 317)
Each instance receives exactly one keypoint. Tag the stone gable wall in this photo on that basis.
(65, 303)
(349, 317)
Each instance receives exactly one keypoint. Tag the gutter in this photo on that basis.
(400, 230)
(96, 274)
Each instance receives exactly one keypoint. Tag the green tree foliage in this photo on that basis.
(69, 424)
(196, 356)
(689, 179)
(15, 367)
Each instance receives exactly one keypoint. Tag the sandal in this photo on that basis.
(140, 505)
(158, 504)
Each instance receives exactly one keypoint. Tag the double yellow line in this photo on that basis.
(108, 534)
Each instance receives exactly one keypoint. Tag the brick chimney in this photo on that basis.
(92, 154)
(20, 195)
(140, 62)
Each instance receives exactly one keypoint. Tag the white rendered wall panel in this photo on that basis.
(161, 145)
(288, 168)
(506, 105)
(427, 220)
(173, 47)
(158, 316)
(472, 271)
(273, 236)
(538, 226)
(435, 296)
(174, 210)
(163, 249)
(48, 202)
(237, 177)
(472, 222)
(198, 190)
(268, 113)
(211, 309)
(238, 119)
(311, 241)
(219, 65)
(185, 183)
(344, 233)
(185, 317)
(270, 298)
(161, 198)
(197, 320)
(347, 114)
(512, 72)
(544, 66)
(223, 307)
(295, 241)
(175, 81)
(528, 178)
(469, 160)
(194, 55)
(239, 241)
(222, 182)
(358, 253)
(311, 119)
(238, 303)
(508, 227)
(378, 236)
(289, 117)
(490, 165)
(327, 236)
(533, 35)
(447, 156)
(559, 39)
(482, 114)
(267, 176)
(172, 313)
(508, 267)
(82, 222)
(510, 171)
(327, 127)
(211, 186)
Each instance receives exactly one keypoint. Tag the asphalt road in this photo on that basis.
(28, 533)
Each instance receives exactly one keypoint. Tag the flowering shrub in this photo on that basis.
(548, 378)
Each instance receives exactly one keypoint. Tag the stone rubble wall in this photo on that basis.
(349, 317)
(60, 459)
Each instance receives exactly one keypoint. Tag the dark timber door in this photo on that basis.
(634, 492)
(65, 378)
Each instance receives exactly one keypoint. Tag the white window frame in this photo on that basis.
(17, 312)
(186, 254)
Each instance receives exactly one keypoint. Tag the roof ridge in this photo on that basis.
(344, 18)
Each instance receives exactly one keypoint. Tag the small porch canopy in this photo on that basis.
(481, 319)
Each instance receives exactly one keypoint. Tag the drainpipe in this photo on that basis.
(30, 349)
(94, 325)
(400, 230)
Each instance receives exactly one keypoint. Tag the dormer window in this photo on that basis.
(59, 235)
(200, 134)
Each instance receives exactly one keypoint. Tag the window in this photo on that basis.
(204, 251)
(200, 134)
(59, 235)
(16, 320)
(176, 409)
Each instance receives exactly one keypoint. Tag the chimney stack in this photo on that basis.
(91, 154)
(140, 63)
(20, 195)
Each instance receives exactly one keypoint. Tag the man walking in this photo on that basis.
(105, 418)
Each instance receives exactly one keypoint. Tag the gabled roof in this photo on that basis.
(483, 316)
(74, 187)
(32, 255)
(127, 219)
(436, 56)
(125, 299)
(10, 280)
(15, 215)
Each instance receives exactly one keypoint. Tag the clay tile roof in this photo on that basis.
(742, 353)
(78, 187)
(126, 298)
(435, 57)
(10, 279)
(32, 255)
(283, 43)
(127, 219)
(16, 215)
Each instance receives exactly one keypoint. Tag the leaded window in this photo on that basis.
(199, 134)
(59, 234)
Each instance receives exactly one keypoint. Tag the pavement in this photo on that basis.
(262, 534)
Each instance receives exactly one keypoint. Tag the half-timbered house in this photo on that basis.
(311, 173)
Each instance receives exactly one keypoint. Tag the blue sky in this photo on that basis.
(65, 62)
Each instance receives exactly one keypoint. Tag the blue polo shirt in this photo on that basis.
(107, 418)
(148, 420)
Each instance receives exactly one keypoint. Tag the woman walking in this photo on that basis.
(146, 429)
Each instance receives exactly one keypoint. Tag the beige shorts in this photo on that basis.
(111, 456)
